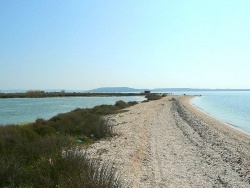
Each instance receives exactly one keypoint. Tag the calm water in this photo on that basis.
(232, 107)
(28, 110)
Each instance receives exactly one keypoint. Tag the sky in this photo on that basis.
(86, 44)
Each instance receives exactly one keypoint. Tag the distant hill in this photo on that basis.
(116, 90)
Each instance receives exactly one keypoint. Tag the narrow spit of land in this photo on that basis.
(169, 143)
(42, 94)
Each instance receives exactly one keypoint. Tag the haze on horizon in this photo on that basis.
(141, 44)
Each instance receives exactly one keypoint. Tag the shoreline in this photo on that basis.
(232, 126)
(169, 143)
(198, 110)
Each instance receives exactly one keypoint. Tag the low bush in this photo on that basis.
(121, 104)
(72, 169)
(164, 95)
(131, 103)
(152, 96)
(105, 109)
(42, 154)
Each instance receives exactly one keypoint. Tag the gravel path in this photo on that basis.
(169, 143)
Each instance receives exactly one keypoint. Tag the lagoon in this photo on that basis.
(21, 110)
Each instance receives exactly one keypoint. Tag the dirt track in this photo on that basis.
(168, 143)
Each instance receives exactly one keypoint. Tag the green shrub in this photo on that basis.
(105, 109)
(164, 95)
(131, 103)
(42, 128)
(72, 169)
(32, 155)
(121, 104)
(45, 165)
(152, 96)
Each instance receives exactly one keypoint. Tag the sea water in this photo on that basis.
(20, 110)
(231, 107)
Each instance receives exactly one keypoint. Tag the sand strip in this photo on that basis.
(169, 143)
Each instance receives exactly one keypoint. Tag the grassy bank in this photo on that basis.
(45, 154)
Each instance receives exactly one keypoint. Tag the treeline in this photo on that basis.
(42, 94)
(45, 154)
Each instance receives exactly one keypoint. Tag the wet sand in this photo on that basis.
(170, 143)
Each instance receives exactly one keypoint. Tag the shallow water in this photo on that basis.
(20, 110)
(232, 107)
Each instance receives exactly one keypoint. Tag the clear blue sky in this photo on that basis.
(84, 44)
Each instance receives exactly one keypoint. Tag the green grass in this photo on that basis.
(42, 154)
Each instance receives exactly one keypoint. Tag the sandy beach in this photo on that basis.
(170, 143)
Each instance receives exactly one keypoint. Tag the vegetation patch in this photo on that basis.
(42, 94)
(153, 96)
(43, 154)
